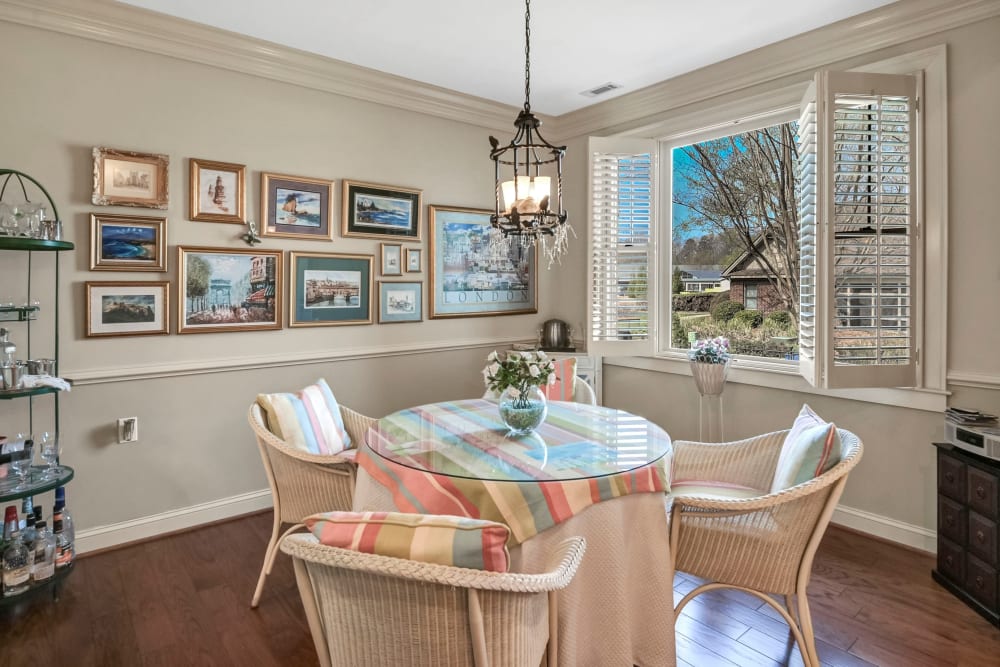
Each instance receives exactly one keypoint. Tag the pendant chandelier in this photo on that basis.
(525, 209)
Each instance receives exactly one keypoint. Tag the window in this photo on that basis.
(750, 297)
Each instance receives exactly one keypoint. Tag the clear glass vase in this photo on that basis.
(523, 412)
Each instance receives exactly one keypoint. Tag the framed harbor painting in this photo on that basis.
(296, 207)
(123, 308)
(127, 243)
(330, 289)
(126, 178)
(217, 191)
(377, 211)
(225, 289)
(467, 280)
(400, 302)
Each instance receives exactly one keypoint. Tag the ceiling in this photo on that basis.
(477, 46)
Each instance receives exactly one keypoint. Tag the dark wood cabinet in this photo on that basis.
(968, 547)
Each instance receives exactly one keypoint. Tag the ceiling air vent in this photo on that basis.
(602, 89)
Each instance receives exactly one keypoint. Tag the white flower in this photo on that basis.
(513, 356)
(494, 368)
(514, 392)
(541, 356)
(527, 356)
(534, 371)
(493, 356)
(553, 379)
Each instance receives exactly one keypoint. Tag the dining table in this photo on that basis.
(587, 470)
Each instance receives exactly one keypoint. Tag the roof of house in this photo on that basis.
(702, 274)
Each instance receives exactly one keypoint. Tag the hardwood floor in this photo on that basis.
(184, 600)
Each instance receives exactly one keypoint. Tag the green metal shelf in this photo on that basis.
(52, 584)
(18, 313)
(36, 483)
(20, 393)
(25, 243)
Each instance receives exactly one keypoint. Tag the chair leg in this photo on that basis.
(265, 569)
(808, 638)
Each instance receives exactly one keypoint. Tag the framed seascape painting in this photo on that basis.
(296, 207)
(223, 289)
(218, 191)
(125, 178)
(414, 260)
(127, 243)
(466, 280)
(392, 259)
(127, 308)
(330, 289)
(377, 211)
(400, 302)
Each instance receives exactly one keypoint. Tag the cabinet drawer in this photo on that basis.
(982, 489)
(982, 538)
(952, 520)
(951, 477)
(951, 561)
(981, 581)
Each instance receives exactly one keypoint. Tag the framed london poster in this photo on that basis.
(467, 280)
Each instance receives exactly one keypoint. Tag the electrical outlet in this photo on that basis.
(128, 429)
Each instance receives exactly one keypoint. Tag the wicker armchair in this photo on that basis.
(302, 483)
(759, 545)
(370, 610)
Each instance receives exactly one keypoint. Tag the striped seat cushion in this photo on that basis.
(704, 488)
(429, 538)
(309, 420)
(565, 383)
(811, 447)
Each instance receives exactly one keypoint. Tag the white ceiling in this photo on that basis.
(477, 46)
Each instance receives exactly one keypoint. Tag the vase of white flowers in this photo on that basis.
(517, 378)
(709, 364)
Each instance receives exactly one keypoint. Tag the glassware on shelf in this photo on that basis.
(50, 450)
(8, 219)
(20, 463)
(17, 564)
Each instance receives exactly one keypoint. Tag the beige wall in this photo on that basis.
(896, 478)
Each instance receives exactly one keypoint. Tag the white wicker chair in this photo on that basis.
(302, 483)
(759, 545)
(366, 610)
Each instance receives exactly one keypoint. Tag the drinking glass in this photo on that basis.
(50, 451)
(21, 464)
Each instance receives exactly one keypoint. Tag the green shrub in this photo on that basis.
(678, 332)
(749, 318)
(779, 318)
(724, 311)
(695, 302)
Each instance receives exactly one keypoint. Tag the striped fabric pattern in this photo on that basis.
(811, 447)
(445, 540)
(705, 488)
(455, 459)
(565, 383)
(309, 420)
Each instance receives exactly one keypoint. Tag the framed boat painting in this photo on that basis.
(296, 207)
(378, 211)
(467, 280)
(330, 289)
(226, 289)
(400, 302)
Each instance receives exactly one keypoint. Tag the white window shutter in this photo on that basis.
(621, 311)
(860, 254)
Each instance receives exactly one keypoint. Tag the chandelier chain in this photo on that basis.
(527, 55)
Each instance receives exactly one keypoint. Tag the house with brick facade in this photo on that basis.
(751, 283)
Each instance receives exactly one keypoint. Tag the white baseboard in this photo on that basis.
(146, 527)
(909, 534)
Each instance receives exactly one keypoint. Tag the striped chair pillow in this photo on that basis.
(811, 447)
(565, 383)
(429, 538)
(309, 420)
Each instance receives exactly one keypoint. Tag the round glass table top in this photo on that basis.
(467, 439)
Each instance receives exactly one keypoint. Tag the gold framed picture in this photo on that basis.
(414, 260)
(127, 308)
(378, 211)
(127, 243)
(392, 259)
(218, 191)
(296, 207)
(126, 178)
(330, 289)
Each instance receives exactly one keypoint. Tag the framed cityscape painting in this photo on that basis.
(467, 280)
(330, 289)
(296, 207)
(400, 302)
(127, 308)
(127, 243)
(217, 191)
(377, 211)
(223, 289)
(126, 178)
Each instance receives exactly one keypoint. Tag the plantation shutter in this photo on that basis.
(621, 311)
(859, 283)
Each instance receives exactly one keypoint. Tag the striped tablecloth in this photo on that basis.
(456, 458)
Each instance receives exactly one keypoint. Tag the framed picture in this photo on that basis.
(218, 191)
(377, 211)
(330, 289)
(392, 259)
(400, 302)
(466, 281)
(127, 243)
(124, 178)
(127, 308)
(225, 289)
(414, 260)
(296, 207)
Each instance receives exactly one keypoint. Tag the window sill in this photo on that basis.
(784, 375)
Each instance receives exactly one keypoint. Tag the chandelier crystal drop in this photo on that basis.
(526, 215)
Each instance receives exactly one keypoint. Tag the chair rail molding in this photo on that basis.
(974, 380)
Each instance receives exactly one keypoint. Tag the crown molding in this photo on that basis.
(132, 27)
(887, 26)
